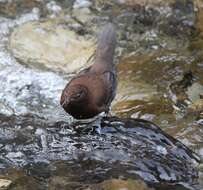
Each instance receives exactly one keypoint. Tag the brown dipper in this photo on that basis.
(92, 91)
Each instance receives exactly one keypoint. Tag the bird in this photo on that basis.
(91, 91)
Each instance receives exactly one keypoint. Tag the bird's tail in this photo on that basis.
(106, 45)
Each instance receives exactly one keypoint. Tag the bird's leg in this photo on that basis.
(108, 112)
(90, 125)
(97, 125)
(104, 110)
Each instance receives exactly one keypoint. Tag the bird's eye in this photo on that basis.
(78, 95)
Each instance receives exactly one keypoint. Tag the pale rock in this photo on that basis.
(81, 4)
(51, 45)
(4, 184)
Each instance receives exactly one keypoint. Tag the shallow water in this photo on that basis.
(160, 69)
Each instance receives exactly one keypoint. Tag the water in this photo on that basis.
(157, 47)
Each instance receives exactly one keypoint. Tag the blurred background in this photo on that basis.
(159, 59)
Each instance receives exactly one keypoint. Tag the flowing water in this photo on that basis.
(160, 74)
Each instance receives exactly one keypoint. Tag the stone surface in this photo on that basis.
(143, 2)
(51, 45)
(127, 147)
(62, 183)
(194, 94)
(4, 184)
(84, 15)
(81, 4)
(21, 181)
(118, 184)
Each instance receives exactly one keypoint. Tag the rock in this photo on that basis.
(20, 180)
(194, 94)
(142, 2)
(129, 148)
(82, 4)
(53, 8)
(115, 184)
(84, 15)
(62, 183)
(50, 45)
(4, 184)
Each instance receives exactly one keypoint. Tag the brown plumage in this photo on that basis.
(92, 91)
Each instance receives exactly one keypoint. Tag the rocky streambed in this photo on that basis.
(160, 69)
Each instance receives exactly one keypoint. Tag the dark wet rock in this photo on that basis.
(121, 147)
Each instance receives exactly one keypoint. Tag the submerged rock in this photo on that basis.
(118, 148)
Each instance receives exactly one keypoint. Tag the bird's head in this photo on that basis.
(75, 94)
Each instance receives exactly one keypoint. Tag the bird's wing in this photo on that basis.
(111, 83)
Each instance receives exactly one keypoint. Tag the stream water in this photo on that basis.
(160, 79)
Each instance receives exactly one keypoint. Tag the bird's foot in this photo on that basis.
(89, 126)
(107, 112)
(97, 125)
